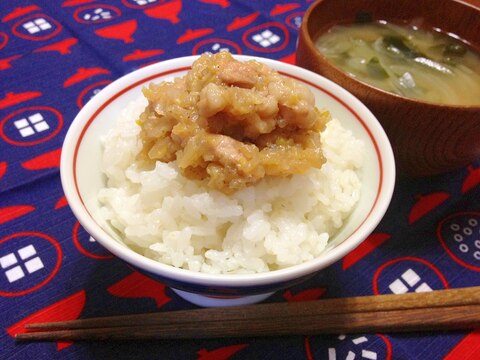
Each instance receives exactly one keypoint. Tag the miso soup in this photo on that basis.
(425, 65)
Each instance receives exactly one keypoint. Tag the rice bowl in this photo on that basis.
(83, 180)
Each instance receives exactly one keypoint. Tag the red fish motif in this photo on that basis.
(76, 2)
(83, 74)
(3, 168)
(222, 353)
(62, 47)
(44, 161)
(142, 54)
(3, 39)
(13, 212)
(69, 308)
(5, 63)
(472, 180)
(467, 349)
(283, 8)
(137, 286)
(240, 22)
(425, 204)
(20, 11)
(223, 3)
(190, 34)
(289, 59)
(308, 348)
(305, 295)
(13, 99)
(62, 202)
(123, 31)
(371, 243)
(166, 11)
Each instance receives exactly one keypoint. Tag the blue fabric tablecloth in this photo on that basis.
(54, 56)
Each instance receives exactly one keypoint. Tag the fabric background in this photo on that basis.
(54, 56)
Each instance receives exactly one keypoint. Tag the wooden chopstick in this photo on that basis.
(441, 318)
(441, 309)
(451, 297)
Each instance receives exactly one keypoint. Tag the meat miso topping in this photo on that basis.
(232, 123)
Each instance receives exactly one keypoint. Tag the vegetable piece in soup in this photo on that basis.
(232, 123)
(408, 61)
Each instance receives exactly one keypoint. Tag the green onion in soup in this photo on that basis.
(408, 61)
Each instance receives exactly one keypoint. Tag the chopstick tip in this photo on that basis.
(20, 337)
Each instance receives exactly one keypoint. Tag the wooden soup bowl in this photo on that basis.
(427, 138)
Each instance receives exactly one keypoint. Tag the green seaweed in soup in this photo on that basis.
(408, 61)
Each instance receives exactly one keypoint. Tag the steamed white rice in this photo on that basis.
(277, 223)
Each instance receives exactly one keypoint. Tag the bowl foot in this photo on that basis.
(214, 301)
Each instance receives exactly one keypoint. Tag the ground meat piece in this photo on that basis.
(237, 74)
(232, 123)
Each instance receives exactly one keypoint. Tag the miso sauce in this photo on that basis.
(408, 61)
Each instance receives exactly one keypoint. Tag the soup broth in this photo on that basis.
(408, 61)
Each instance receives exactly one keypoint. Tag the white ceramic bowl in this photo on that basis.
(82, 179)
